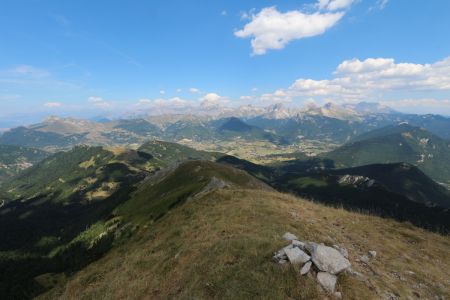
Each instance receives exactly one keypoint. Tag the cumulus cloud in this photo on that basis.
(53, 104)
(279, 96)
(272, 29)
(213, 100)
(361, 79)
(174, 102)
(162, 102)
(164, 106)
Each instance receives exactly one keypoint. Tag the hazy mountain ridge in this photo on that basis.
(333, 122)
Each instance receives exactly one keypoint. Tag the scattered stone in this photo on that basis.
(289, 236)
(327, 281)
(365, 259)
(338, 295)
(297, 256)
(354, 273)
(306, 267)
(329, 260)
(372, 253)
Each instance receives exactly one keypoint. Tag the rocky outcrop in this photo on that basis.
(356, 180)
(327, 281)
(329, 260)
(320, 261)
(297, 256)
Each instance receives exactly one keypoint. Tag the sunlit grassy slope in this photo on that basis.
(219, 246)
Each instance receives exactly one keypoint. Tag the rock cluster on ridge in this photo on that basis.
(322, 262)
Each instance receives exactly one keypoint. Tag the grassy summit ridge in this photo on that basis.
(220, 246)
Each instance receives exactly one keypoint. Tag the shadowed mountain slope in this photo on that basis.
(393, 144)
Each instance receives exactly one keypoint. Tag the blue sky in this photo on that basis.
(98, 57)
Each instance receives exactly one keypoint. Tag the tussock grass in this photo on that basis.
(220, 247)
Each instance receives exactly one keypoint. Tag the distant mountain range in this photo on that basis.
(275, 124)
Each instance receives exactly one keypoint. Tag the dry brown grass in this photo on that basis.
(220, 246)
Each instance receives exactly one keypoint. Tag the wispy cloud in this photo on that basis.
(53, 104)
(29, 76)
(99, 102)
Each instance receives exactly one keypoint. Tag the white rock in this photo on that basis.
(310, 247)
(338, 295)
(364, 259)
(306, 267)
(298, 244)
(297, 256)
(327, 281)
(329, 260)
(372, 253)
(355, 273)
(289, 236)
(343, 251)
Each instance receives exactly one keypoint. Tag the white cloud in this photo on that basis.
(53, 104)
(370, 78)
(194, 90)
(333, 5)
(162, 92)
(179, 90)
(212, 100)
(99, 102)
(279, 96)
(271, 29)
(144, 101)
(94, 99)
(164, 106)
(162, 102)
(247, 98)
(174, 102)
